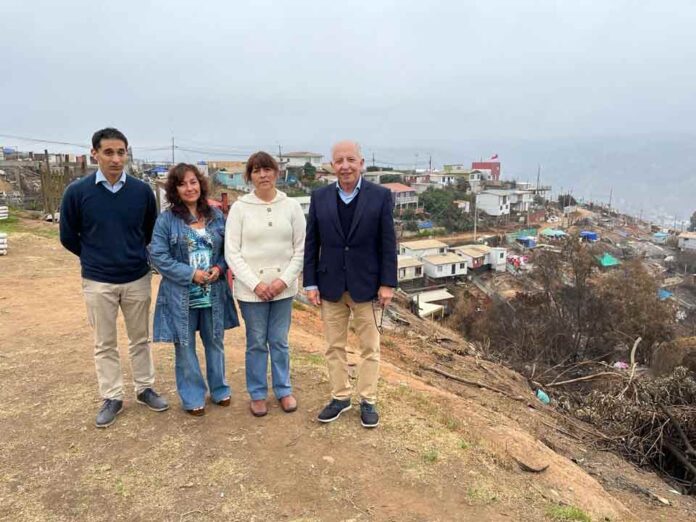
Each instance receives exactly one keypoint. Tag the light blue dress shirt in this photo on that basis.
(346, 197)
(100, 178)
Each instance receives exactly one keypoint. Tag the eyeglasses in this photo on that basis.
(376, 306)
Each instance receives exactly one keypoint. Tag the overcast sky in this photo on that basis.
(396, 75)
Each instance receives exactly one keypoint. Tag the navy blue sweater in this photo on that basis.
(109, 232)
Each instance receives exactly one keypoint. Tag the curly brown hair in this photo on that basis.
(174, 178)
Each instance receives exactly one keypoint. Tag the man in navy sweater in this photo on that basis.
(350, 269)
(106, 219)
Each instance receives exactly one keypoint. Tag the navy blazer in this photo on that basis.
(359, 263)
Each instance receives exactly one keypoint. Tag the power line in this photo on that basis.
(39, 140)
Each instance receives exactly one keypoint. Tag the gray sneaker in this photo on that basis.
(152, 400)
(107, 414)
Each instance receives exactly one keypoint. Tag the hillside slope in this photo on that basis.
(444, 451)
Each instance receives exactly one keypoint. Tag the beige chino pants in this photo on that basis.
(336, 317)
(103, 301)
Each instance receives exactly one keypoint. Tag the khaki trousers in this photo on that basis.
(103, 301)
(336, 317)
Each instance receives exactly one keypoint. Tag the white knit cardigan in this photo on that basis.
(265, 241)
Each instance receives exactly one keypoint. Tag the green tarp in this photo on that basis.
(552, 232)
(606, 260)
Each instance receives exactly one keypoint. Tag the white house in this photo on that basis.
(687, 241)
(423, 247)
(494, 202)
(299, 159)
(433, 303)
(403, 196)
(521, 200)
(409, 268)
(480, 256)
(444, 265)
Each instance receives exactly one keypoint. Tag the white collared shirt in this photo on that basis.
(100, 178)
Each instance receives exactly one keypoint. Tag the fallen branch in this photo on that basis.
(689, 448)
(585, 378)
(473, 383)
(633, 365)
(681, 458)
(559, 429)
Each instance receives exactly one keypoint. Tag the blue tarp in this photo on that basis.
(425, 224)
(588, 235)
(527, 242)
(663, 294)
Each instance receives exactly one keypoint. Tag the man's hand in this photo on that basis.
(385, 294)
(314, 298)
(264, 292)
(277, 286)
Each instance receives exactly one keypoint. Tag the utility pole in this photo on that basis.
(611, 194)
(130, 160)
(373, 160)
(475, 217)
(280, 153)
(173, 160)
(430, 163)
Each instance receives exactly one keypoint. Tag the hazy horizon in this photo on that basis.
(587, 90)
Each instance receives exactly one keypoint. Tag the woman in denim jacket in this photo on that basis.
(187, 249)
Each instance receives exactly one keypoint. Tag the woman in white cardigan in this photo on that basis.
(264, 246)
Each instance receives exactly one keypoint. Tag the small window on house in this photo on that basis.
(462, 266)
(502, 255)
(402, 272)
(419, 270)
(439, 268)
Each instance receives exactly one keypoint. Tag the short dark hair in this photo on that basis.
(175, 177)
(109, 133)
(260, 160)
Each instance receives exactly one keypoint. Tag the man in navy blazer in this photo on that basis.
(350, 266)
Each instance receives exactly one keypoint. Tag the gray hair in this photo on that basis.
(355, 144)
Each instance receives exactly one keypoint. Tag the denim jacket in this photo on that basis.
(169, 255)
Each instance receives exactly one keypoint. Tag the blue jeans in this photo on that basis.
(267, 325)
(189, 379)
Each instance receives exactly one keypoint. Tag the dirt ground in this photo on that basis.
(442, 452)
